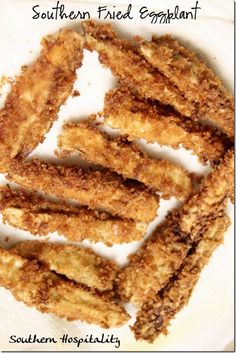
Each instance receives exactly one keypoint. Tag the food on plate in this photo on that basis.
(131, 69)
(156, 313)
(40, 217)
(35, 98)
(96, 189)
(125, 158)
(79, 264)
(36, 286)
(196, 81)
(155, 123)
(165, 94)
(162, 254)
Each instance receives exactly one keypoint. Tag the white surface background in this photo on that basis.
(207, 322)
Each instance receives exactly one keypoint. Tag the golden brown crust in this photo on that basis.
(125, 158)
(162, 254)
(154, 123)
(76, 263)
(194, 79)
(156, 313)
(131, 69)
(154, 263)
(24, 199)
(41, 217)
(217, 188)
(92, 188)
(34, 100)
(36, 286)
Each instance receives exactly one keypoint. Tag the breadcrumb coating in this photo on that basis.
(155, 123)
(41, 217)
(76, 263)
(194, 79)
(217, 187)
(34, 100)
(131, 69)
(96, 189)
(125, 158)
(36, 286)
(163, 253)
(156, 313)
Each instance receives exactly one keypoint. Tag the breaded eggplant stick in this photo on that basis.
(194, 79)
(131, 69)
(139, 119)
(34, 100)
(125, 158)
(41, 217)
(76, 263)
(163, 253)
(157, 312)
(91, 188)
(36, 286)
(216, 189)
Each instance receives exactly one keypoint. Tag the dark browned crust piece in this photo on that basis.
(157, 312)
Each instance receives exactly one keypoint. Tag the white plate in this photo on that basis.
(207, 322)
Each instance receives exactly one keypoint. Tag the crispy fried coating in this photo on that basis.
(96, 189)
(76, 263)
(163, 253)
(139, 119)
(157, 312)
(216, 188)
(151, 267)
(40, 217)
(125, 158)
(34, 100)
(36, 286)
(194, 79)
(131, 69)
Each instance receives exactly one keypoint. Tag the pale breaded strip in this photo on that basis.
(194, 79)
(41, 217)
(157, 312)
(36, 286)
(91, 188)
(131, 69)
(76, 263)
(162, 254)
(125, 158)
(76, 227)
(139, 119)
(34, 100)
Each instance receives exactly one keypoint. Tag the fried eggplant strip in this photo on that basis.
(194, 79)
(131, 69)
(36, 286)
(76, 263)
(91, 188)
(139, 119)
(41, 217)
(34, 100)
(125, 158)
(157, 312)
(217, 188)
(163, 253)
